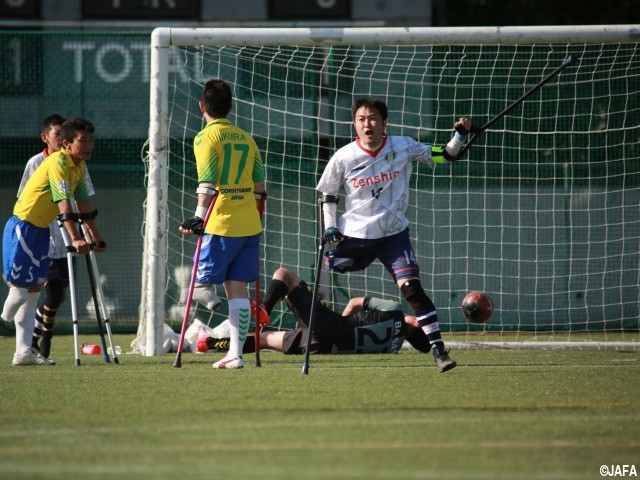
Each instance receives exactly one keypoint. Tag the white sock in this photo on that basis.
(15, 299)
(239, 317)
(25, 322)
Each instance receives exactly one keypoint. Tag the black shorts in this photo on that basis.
(329, 327)
(394, 252)
(59, 270)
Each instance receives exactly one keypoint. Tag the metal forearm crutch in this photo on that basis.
(98, 297)
(194, 271)
(72, 283)
(256, 313)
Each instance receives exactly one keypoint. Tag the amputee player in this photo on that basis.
(48, 193)
(374, 171)
(367, 324)
(57, 281)
(230, 166)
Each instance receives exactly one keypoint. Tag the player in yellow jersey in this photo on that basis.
(25, 243)
(229, 167)
(57, 283)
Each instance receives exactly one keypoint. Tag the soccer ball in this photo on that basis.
(477, 307)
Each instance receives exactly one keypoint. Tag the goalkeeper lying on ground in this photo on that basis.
(367, 324)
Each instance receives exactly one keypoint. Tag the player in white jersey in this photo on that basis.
(58, 274)
(374, 171)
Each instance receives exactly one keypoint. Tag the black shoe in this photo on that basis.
(443, 360)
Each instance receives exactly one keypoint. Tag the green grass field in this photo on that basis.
(527, 414)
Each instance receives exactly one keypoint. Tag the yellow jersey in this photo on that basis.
(229, 157)
(57, 178)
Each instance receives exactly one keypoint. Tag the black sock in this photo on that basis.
(276, 291)
(418, 339)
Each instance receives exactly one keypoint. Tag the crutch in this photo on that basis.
(314, 302)
(196, 258)
(98, 298)
(256, 312)
(72, 282)
(314, 297)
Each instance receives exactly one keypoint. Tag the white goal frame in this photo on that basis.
(152, 308)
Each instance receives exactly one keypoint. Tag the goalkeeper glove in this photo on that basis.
(332, 234)
(194, 224)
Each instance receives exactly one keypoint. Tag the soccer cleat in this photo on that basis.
(229, 363)
(42, 360)
(31, 358)
(443, 360)
(264, 319)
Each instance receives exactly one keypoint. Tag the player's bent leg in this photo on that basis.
(206, 295)
(24, 320)
(15, 299)
(55, 294)
(276, 291)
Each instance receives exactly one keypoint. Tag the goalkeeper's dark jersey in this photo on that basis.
(377, 331)
(378, 328)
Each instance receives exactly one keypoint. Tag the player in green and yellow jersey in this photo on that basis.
(25, 244)
(230, 169)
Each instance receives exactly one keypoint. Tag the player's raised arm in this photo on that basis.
(451, 150)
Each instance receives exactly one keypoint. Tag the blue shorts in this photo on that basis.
(395, 253)
(24, 253)
(228, 258)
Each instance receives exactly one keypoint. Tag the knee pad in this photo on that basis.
(421, 304)
(55, 293)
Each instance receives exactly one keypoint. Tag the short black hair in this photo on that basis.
(51, 121)
(71, 127)
(370, 102)
(216, 97)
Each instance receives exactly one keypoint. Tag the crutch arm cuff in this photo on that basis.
(69, 216)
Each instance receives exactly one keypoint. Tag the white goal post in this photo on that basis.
(543, 213)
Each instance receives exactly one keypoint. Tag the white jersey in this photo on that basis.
(57, 248)
(376, 185)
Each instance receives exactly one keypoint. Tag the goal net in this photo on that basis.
(542, 213)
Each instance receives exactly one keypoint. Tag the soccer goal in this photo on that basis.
(543, 213)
